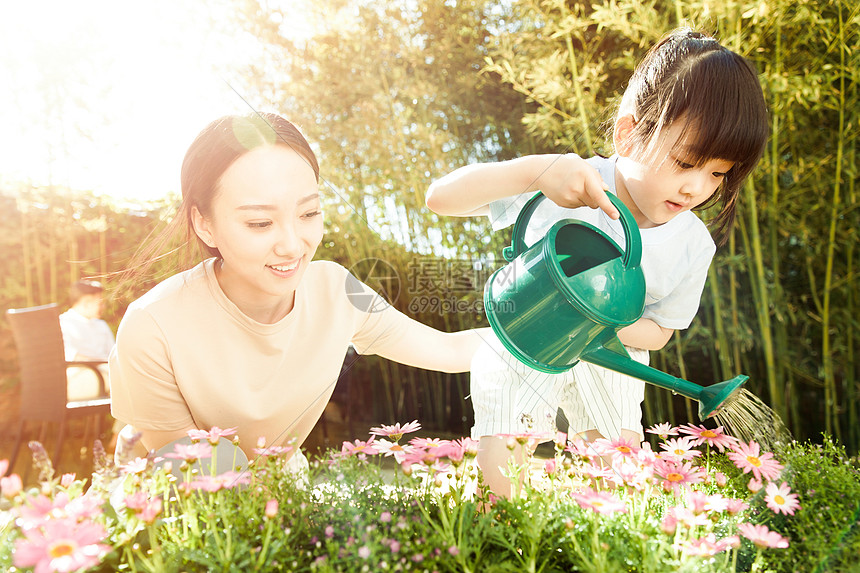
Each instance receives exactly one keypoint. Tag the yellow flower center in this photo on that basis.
(779, 499)
(754, 461)
(61, 549)
(674, 476)
(709, 434)
(623, 449)
(680, 452)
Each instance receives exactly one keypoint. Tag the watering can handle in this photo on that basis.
(632, 252)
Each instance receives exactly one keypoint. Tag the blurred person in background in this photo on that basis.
(86, 337)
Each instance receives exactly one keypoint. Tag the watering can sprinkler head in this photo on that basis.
(715, 397)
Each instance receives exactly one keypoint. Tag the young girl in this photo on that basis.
(254, 336)
(690, 128)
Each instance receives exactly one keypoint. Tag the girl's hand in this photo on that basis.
(568, 181)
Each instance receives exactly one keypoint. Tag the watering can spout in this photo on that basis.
(711, 398)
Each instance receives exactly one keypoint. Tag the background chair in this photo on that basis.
(44, 388)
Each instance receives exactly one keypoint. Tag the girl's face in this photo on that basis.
(666, 182)
(267, 224)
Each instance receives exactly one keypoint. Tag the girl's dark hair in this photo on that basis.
(690, 76)
(82, 288)
(214, 150)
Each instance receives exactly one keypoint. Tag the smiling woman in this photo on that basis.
(254, 336)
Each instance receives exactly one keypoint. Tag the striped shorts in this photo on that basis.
(509, 397)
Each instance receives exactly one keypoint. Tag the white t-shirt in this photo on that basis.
(82, 336)
(675, 255)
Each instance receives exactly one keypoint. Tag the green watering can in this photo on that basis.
(565, 298)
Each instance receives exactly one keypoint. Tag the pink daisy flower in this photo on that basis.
(136, 501)
(749, 458)
(10, 486)
(460, 449)
(735, 506)
(430, 443)
(716, 437)
(61, 545)
(677, 474)
(579, 448)
(359, 448)
(213, 435)
(86, 506)
(150, 511)
(663, 430)
(762, 537)
(754, 485)
(686, 517)
(780, 499)
(532, 439)
(679, 449)
(700, 502)
(429, 459)
(616, 447)
(597, 471)
(707, 546)
(273, 451)
(227, 480)
(599, 502)
(136, 466)
(626, 471)
(41, 508)
(396, 431)
(190, 453)
(397, 450)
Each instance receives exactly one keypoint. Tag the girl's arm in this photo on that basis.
(645, 334)
(566, 179)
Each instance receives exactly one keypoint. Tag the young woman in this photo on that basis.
(254, 336)
(690, 128)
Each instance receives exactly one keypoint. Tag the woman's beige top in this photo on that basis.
(186, 355)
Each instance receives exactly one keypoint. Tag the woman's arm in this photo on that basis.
(645, 334)
(425, 347)
(567, 180)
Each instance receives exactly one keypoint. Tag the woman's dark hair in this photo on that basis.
(689, 76)
(211, 153)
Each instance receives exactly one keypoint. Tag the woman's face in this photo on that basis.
(267, 224)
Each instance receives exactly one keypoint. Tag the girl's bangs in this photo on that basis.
(720, 99)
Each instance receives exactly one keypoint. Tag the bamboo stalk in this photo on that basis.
(721, 344)
(830, 409)
(52, 251)
(752, 245)
(851, 398)
(580, 100)
(779, 326)
(733, 303)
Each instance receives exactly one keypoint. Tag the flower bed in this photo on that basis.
(701, 501)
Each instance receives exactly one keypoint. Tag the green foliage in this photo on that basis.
(358, 511)
(825, 531)
(395, 94)
(794, 247)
